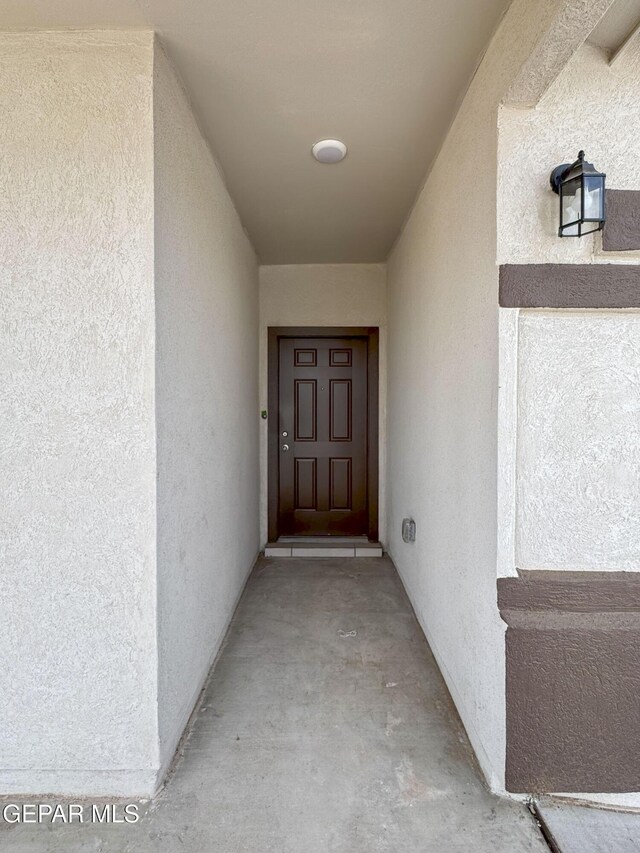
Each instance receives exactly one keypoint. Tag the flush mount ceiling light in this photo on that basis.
(329, 151)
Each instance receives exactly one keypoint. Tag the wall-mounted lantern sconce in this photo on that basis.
(581, 191)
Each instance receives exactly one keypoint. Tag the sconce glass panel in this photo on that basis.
(570, 208)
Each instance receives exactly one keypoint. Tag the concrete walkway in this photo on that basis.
(574, 828)
(326, 727)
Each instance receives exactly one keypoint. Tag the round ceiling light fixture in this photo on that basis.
(329, 151)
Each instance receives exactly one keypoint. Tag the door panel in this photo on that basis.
(340, 410)
(340, 484)
(305, 484)
(322, 433)
(306, 396)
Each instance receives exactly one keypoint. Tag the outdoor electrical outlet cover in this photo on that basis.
(408, 530)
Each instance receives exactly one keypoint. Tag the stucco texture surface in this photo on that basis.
(562, 27)
(443, 390)
(622, 231)
(590, 106)
(573, 703)
(569, 425)
(578, 441)
(77, 634)
(569, 402)
(444, 384)
(324, 295)
(207, 404)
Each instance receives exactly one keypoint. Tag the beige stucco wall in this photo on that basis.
(443, 394)
(129, 400)
(570, 441)
(592, 106)
(569, 469)
(207, 400)
(323, 295)
(78, 627)
(578, 441)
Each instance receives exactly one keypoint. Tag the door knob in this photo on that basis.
(285, 447)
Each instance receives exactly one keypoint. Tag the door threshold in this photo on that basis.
(313, 546)
(322, 540)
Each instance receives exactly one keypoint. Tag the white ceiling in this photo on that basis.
(268, 78)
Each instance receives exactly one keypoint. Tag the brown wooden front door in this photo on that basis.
(323, 436)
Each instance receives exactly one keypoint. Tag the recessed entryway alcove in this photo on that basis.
(323, 382)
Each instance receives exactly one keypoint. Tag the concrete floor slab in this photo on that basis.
(584, 829)
(324, 728)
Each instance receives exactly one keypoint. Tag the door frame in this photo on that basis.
(372, 336)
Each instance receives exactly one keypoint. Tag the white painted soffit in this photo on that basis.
(268, 78)
(617, 25)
